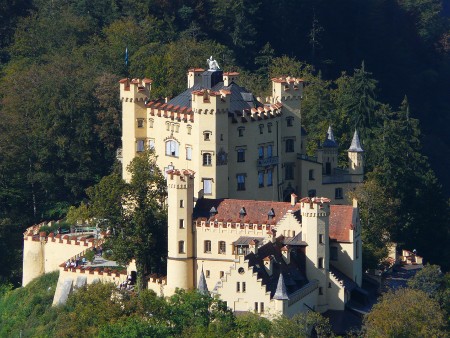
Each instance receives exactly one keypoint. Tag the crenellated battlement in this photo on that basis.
(135, 90)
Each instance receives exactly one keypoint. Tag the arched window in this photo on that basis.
(207, 159)
(172, 148)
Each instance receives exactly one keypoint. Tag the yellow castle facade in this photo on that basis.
(238, 146)
(237, 229)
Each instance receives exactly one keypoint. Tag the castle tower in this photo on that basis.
(328, 154)
(355, 159)
(210, 131)
(33, 257)
(180, 266)
(315, 229)
(134, 95)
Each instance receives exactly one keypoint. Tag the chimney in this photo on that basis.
(242, 213)
(286, 254)
(229, 77)
(194, 76)
(253, 246)
(268, 264)
(293, 199)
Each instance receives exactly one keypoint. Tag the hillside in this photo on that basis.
(380, 66)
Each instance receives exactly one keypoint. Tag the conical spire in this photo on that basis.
(202, 286)
(330, 142)
(281, 292)
(356, 145)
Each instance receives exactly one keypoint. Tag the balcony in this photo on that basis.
(267, 162)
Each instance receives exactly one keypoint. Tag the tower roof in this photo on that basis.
(281, 292)
(202, 286)
(356, 145)
(330, 142)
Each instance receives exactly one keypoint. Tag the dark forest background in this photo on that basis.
(382, 66)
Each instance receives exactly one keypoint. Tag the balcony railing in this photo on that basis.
(267, 162)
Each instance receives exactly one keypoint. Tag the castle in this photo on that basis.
(238, 146)
(236, 229)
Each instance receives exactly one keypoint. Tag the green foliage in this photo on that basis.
(405, 313)
(26, 309)
(89, 255)
(301, 325)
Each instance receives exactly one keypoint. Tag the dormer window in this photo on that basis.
(212, 212)
(271, 214)
(242, 212)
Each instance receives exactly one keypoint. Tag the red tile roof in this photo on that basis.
(256, 211)
(341, 218)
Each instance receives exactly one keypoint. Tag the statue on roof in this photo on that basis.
(213, 64)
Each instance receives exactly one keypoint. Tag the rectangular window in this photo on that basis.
(289, 171)
(269, 127)
(290, 121)
(320, 263)
(333, 253)
(320, 291)
(238, 287)
(221, 274)
(244, 287)
(241, 131)
(181, 203)
(207, 273)
(320, 238)
(222, 247)
(207, 186)
(140, 145)
(357, 249)
(181, 225)
(311, 174)
(269, 151)
(260, 152)
(261, 179)
(151, 144)
(207, 159)
(261, 307)
(289, 145)
(269, 178)
(256, 306)
(206, 136)
(140, 123)
(338, 194)
(188, 153)
(181, 247)
(207, 246)
(241, 155)
(261, 128)
(240, 182)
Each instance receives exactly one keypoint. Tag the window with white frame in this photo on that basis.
(172, 148)
(222, 247)
(240, 181)
(189, 129)
(151, 144)
(140, 145)
(206, 135)
(207, 159)
(207, 186)
(207, 246)
(188, 153)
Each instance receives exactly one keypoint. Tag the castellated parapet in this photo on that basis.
(43, 254)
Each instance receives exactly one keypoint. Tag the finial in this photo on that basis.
(212, 64)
